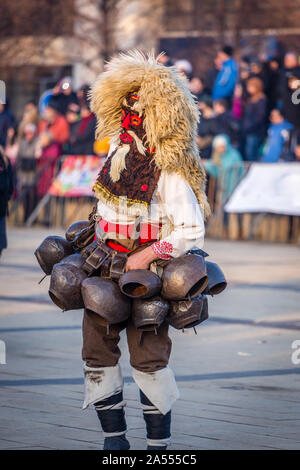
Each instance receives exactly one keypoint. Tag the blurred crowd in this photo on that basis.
(248, 108)
(60, 124)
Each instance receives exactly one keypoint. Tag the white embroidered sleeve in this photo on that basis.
(181, 208)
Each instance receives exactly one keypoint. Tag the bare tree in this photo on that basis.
(55, 31)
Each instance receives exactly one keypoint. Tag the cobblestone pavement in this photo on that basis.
(239, 387)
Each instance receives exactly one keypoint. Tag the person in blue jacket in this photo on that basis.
(227, 77)
(278, 134)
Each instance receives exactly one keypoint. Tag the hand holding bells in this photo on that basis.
(88, 273)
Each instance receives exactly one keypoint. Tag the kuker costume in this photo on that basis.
(151, 192)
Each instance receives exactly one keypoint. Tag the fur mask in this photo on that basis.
(169, 110)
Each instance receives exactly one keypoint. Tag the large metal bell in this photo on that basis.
(184, 277)
(65, 286)
(140, 283)
(51, 251)
(149, 314)
(104, 297)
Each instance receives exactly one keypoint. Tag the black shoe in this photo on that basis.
(116, 443)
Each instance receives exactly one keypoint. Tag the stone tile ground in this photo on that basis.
(239, 387)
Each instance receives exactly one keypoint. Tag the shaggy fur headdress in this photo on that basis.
(170, 113)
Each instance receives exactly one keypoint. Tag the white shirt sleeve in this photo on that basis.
(180, 206)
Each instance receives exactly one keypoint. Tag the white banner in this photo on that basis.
(268, 187)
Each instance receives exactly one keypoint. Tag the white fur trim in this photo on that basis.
(101, 383)
(159, 387)
(118, 162)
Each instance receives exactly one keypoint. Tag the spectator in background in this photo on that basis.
(237, 102)
(278, 134)
(73, 119)
(244, 69)
(197, 88)
(30, 116)
(83, 138)
(225, 164)
(253, 125)
(184, 67)
(291, 95)
(227, 77)
(273, 83)
(64, 95)
(82, 92)
(6, 121)
(165, 59)
(290, 67)
(48, 154)
(291, 62)
(257, 70)
(55, 124)
(6, 190)
(26, 168)
(297, 151)
(12, 145)
(206, 128)
(212, 74)
(224, 122)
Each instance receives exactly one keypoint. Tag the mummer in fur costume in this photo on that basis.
(137, 264)
(153, 170)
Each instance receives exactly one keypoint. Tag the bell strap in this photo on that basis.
(97, 258)
(117, 266)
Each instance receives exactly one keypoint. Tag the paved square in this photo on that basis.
(239, 387)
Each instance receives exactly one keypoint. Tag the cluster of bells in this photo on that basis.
(178, 296)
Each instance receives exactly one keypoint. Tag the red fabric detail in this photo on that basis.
(126, 137)
(136, 120)
(148, 233)
(125, 120)
(144, 187)
(117, 247)
(151, 150)
(162, 249)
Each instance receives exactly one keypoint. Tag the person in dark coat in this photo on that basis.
(290, 68)
(254, 120)
(224, 122)
(273, 74)
(6, 121)
(206, 128)
(73, 119)
(291, 96)
(26, 168)
(63, 95)
(83, 138)
(6, 190)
